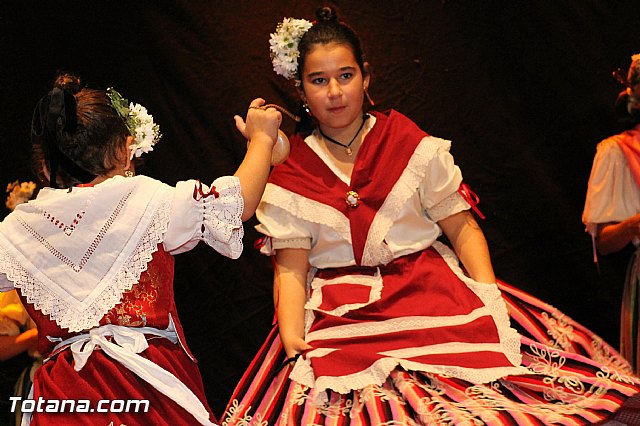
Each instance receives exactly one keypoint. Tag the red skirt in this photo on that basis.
(567, 374)
(415, 312)
(102, 378)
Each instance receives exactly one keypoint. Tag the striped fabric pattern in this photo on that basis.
(630, 315)
(574, 379)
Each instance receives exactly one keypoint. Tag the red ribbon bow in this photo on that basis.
(199, 194)
(471, 198)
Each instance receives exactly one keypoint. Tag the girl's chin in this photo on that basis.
(339, 121)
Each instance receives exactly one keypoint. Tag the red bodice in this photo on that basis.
(148, 303)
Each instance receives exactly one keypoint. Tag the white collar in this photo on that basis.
(73, 253)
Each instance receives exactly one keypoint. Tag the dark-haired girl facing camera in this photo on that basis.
(92, 259)
(378, 324)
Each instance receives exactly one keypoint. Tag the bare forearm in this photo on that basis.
(261, 130)
(476, 259)
(254, 172)
(291, 295)
(470, 245)
(291, 300)
(614, 237)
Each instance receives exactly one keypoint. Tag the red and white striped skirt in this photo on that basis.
(418, 343)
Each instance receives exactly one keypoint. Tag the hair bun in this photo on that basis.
(68, 82)
(326, 14)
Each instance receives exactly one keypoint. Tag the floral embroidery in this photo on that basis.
(609, 375)
(384, 394)
(433, 410)
(560, 330)
(237, 418)
(336, 407)
(137, 304)
(299, 394)
(604, 355)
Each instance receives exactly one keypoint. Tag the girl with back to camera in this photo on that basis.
(378, 324)
(93, 260)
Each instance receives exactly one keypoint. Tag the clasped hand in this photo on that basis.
(259, 122)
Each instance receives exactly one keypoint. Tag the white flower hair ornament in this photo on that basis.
(283, 45)
(138, 121)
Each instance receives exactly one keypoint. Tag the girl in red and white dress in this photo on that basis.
(378, 324)
(93, 261)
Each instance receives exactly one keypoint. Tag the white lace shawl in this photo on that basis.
(74, 253)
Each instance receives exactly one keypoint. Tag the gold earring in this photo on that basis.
(128, 173)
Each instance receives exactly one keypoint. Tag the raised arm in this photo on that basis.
(290, 296)
(261, 130)
(470, 245)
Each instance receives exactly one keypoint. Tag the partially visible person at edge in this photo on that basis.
(378, 323)
(92, 257)
(18, 333)
(612, 207)
(19, 357)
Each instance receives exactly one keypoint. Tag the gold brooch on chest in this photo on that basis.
(352, 198)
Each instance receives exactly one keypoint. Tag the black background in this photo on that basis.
(522, 88)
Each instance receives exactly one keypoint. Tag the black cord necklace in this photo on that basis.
(347, 146)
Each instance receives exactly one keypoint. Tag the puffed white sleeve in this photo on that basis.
(281, 229)
(210, 214)
(612, 194)
(439, 189)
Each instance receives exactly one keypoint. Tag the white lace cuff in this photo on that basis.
(295, 243)
(269, 245)
(222, 217)
(452, 204)
(212, 215)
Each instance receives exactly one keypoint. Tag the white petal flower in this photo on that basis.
(139, 122)
(283, 45)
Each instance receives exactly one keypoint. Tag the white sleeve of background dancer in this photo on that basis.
(612, 194)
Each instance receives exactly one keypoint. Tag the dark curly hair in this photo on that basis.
(76, 134)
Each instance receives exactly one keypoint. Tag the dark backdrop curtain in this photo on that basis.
(523, 89)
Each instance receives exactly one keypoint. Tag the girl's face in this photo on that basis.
(333, 87)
